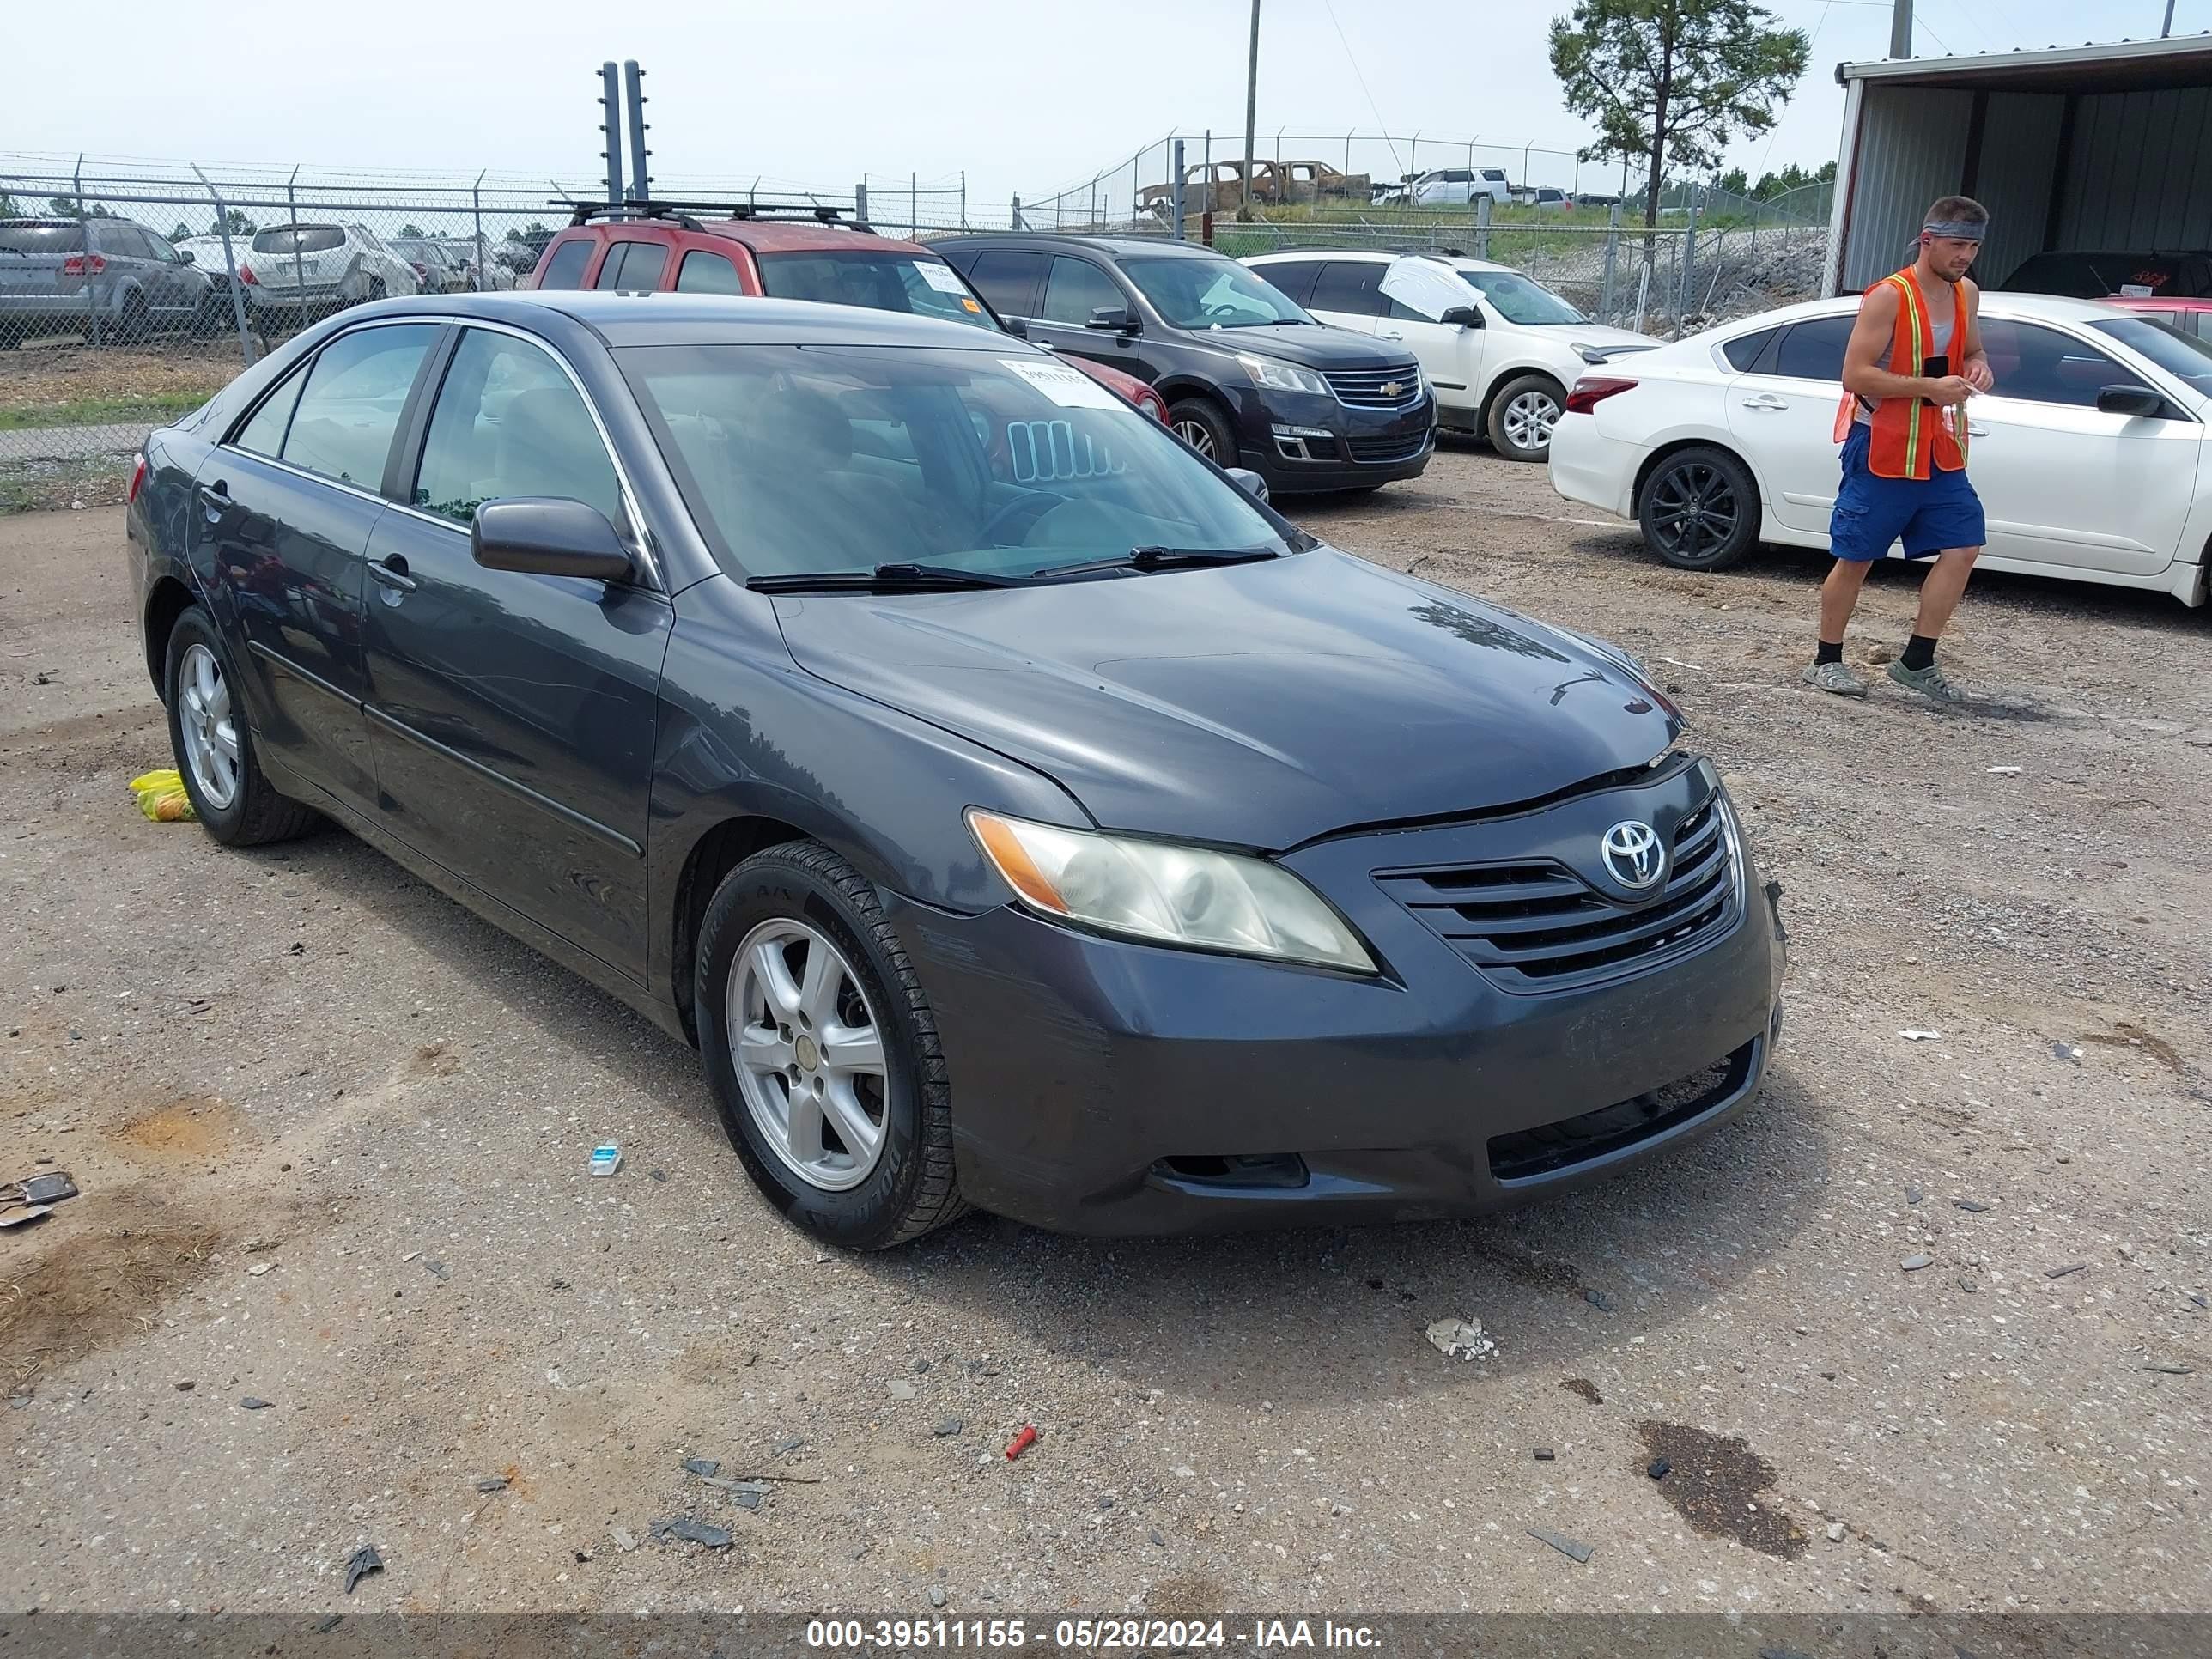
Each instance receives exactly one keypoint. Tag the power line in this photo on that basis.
(1353, 60)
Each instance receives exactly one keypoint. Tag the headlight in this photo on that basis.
(1175, 895)
(1282, 377)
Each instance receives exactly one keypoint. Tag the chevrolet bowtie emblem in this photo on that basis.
(1393, 388)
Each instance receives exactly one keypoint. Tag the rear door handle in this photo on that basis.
(1766, 400)
(391, 572)
(216, 497)
(1977, 432)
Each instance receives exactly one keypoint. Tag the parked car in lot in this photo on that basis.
(1499, 349)
(787, 254)
(481, 265)
(1442, 186)
(1543, 196)
(103, 276)
(2089, 456)
(437, 270)
(310, 269)
(1015, 811)
(2186, 316)
(1250, 379)
(2143, 274)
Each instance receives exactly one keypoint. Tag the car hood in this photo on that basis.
(1257, 705)
(1308, 345)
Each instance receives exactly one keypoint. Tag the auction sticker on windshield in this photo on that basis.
(1069, 388)
(941, 277)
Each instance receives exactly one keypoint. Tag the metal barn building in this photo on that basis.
(2078, 148)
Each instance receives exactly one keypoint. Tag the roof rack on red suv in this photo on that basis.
(684, 213)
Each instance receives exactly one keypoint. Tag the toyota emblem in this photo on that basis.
(1633, 854)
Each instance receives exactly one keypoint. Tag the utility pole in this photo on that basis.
(1251, 109)
(1901, 29)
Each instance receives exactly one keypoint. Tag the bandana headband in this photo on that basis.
(1956, 229)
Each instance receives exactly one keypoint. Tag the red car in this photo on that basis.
(2188, 316)
(784, 253)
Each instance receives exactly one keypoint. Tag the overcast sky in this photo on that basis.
(1025, 94)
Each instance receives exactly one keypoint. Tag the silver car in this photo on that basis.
(318, 267)
(106, 278)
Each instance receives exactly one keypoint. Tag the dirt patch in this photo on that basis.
(57, 376)
(2124, 1035)
(1714, 1485)
(90, 1289)
(1585, 1387)
(191, 1125)
(1187, 1596)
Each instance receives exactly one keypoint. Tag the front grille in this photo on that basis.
(1378, 452)
(1538, 927)
(1362, 388)
(1548, 1148)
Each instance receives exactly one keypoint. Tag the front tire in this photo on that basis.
(1200, 422)
(823, 1052)
(1700, 509)
(1521, 416)
(214, 744)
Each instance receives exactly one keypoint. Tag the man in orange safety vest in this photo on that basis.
(1914, 358)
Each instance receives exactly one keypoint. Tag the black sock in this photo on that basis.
(1919, 652)
(1828, 653)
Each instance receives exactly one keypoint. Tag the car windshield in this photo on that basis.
(300, 239)
(925, 287)
(1200, 293)
(2185, 356)
(798, 459)
(1520, 300)
(41, 239)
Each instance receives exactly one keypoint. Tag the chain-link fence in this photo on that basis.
(130, 292)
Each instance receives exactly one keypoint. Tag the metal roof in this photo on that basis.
(2093, 66)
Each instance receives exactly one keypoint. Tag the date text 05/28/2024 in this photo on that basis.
(1086, 1635)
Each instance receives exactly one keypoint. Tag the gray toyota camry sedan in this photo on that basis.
(1013, 810)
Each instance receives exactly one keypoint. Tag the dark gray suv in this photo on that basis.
(107, 279)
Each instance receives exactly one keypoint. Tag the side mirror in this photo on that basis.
(1118, 318)
(1016, 326)
(2135, 400)
(185, 256)
(545, 536)
(1462, 316)
(1248, 480)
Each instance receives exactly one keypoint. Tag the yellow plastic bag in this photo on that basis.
(162, 797)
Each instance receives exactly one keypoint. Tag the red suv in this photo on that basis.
(786, 254)
(2189, 316)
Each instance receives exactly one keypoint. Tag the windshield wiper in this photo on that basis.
(1164, 558)
(884, 578)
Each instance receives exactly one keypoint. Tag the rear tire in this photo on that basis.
(1201, 423)
(213, 743)
(1521, 416)
(1700, 509)
(134, 325)
(890, 1179)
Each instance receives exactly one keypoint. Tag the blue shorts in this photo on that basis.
(1874, 514)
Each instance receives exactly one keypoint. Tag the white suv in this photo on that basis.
(1499, 350)
(314, 268)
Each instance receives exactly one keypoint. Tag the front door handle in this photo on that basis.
(1766, 400)
(1386, 334)
(1977, 432)
(391, 572)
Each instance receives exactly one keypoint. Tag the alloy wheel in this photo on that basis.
(1198, 436)
(210, 730)
(809, 1053)
(1694, 511)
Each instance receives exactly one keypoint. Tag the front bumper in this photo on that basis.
(1302, 445)
(1102, 1086)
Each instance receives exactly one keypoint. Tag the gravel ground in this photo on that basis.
(333, 1132)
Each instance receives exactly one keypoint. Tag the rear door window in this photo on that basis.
(1814, 350)
(634, 266)
(349, 410)
(706, 273)
(1352, 286)
(1008, 279)
(565, 268)
(1744, 351)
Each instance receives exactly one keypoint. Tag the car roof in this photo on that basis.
(807, 235)
(2034, 307)
(1375, 256)
(2158, 303)
(1113, 247)
(640, 318)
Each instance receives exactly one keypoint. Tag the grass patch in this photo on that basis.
(153, 407)
(57, 486)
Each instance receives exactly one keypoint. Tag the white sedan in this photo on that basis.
(2090, 455)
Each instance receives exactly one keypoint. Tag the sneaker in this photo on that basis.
(1929, 681)
(1835, 677)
